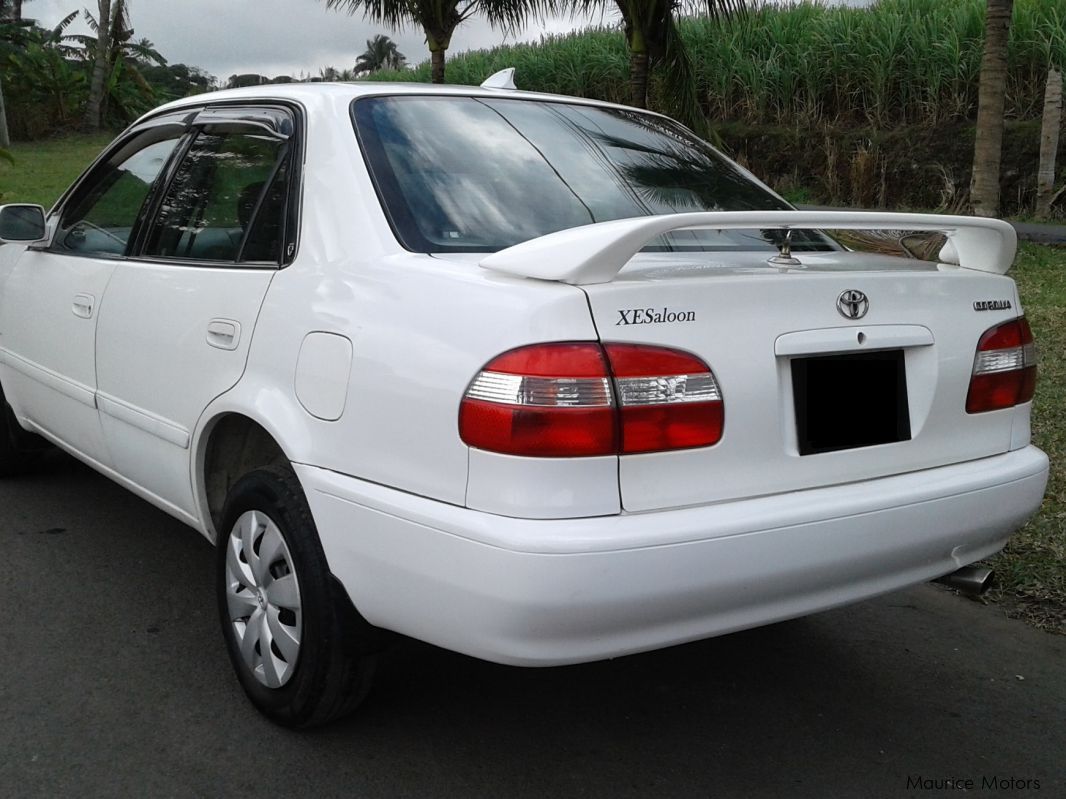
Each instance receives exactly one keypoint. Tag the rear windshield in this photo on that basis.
(475, 174)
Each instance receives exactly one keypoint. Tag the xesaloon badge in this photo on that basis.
(653, 316)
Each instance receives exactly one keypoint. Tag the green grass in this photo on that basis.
(43, 170)
(1031, 571)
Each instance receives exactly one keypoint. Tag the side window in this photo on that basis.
(226, 201)
(98, 219)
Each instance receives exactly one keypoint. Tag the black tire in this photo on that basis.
(334, 665)
(11, 462)
(19, 451)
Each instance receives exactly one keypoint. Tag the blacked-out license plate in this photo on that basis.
(850, 401)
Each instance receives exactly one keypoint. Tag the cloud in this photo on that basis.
(273, 37)
(283, 37)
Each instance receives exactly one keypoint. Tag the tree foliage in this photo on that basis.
(125, 92)
(44, 82)
(653, 41)
(47, 74)
(176, 80)
(438, 19)
(381, 53)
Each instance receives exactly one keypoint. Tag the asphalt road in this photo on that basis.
(114, 682)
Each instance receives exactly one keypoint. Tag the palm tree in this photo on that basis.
(988, 144)
(653, 40)
(5, 136)
(439, 18)
(94, 107)
(121, 56)
(381, 53)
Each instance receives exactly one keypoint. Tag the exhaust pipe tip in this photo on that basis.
(969, 580)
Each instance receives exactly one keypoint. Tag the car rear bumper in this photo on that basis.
(550, 592)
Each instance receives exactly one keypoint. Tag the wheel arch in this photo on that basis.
(234, 438)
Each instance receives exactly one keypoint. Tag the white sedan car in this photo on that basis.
(538, 379)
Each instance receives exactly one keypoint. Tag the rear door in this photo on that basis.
(51, 301)
(175, 330)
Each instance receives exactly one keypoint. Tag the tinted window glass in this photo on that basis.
(100, 217)
(226, 181)
(481, 174)
(264, 238)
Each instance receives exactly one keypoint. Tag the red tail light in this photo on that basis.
(1004, 368)
(580, 399)
(668, 399)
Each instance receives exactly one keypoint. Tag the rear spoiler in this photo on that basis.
(596, 253)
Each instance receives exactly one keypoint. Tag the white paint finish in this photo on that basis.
(634, 531)
(79, 392)
(148, 423)
(420, 327)
(507, 582)
(740, 320)
(225, 334)
(596, 253)
(502, 80)
(83, 305)
(1021, 434)
(542, 488)
(51, 346)
(157, 369)
(855, 338)
(323, 372)
(503, 597)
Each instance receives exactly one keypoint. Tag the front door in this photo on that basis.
(51, 301)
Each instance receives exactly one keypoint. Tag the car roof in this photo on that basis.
(312, 93)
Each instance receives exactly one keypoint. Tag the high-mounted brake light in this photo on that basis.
(575, 399)
(1004, 368)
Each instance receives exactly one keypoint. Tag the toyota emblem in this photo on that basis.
(852, 304)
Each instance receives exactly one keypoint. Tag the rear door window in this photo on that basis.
(227, 200)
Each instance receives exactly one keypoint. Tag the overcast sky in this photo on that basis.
(278, 37)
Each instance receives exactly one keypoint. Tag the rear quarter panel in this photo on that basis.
(420, 329)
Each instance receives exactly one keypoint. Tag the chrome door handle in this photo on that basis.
(83, 305)
(225, 334)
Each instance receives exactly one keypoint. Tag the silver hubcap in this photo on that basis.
(263, 598)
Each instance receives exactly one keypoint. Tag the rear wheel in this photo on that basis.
(302, 653)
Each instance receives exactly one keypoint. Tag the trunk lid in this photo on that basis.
(751, 323)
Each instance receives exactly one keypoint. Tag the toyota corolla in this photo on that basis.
(538, 379)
